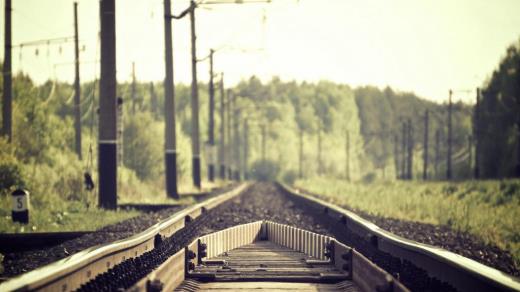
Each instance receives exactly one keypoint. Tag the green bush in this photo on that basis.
(290, 177)
(265, 170)
(11, 174)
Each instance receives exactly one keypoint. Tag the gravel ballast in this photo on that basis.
(16, 263)
(265, 201)
(459, 242)
(261, 201)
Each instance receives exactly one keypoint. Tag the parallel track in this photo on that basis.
(463, 273)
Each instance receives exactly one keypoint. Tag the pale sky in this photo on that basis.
(426, 46)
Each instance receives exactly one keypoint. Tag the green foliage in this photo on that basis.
(488, 209)
(499, 122)
(288, 110)
(382, 113)
(290, 176)
(265, 170)
(10, 169)
(142, 150)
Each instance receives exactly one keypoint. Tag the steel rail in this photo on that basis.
(463, 273)
(322, 249)
(69, 273)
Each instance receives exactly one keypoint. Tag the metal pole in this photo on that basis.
(263, 144)
(347, 156)
(120, 124)
(300, 168)
(77, 89)
(229, 152)
(425, 158)
(107, 161)
(236, 135)
(7, 74)
(320, 170)
(211, 135)
(194, 102)
(153, 101)
(246, 149)
(410, 151)
(396, 155)
(403, 148)
(477, 135)
(437, 151)
(470, 151)
(448, 169)
(170, 153)
(222, 144)
(133, 89)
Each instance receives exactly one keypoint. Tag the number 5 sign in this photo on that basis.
(20, 212)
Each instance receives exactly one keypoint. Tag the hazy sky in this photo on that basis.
(425, 46)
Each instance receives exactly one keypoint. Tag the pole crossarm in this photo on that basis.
(194, 5)
(45, 42)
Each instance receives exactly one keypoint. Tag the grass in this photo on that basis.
(70, 216)
(488, 209)
(59, 213)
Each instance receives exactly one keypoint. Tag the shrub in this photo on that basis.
(265, 170)
(11, 174)
(290, 177)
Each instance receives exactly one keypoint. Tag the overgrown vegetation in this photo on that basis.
(382, 114)
(488, 209)
(499, 123)
(283, 117)
(41, 159)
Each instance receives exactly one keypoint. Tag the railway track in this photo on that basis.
(183, 252)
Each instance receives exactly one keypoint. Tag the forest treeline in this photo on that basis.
(499, 118)
(337, 131)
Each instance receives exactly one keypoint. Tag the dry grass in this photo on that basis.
(488, 209)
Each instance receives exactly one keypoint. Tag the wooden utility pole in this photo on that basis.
(153, 102)
(425, 146)
(211, 111)
(396, 155)
(300, 156)
(170, 153)
(477, 135)
(229, 152)
(222, 140)
(7, 119)
(194, 102)
(263, 144)
(403, 149)
(437, 151)
(133, 89)
(409, 172)
(246, 149)
(448, 164)
(347, 158)
(320, 166)
(120, 123)
(470, 151)
(77, 89)
(236, 142)
(107, 161)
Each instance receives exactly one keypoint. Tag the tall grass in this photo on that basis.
(488, 209)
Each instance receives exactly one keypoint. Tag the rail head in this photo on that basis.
(48, 274)
(471, 268)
